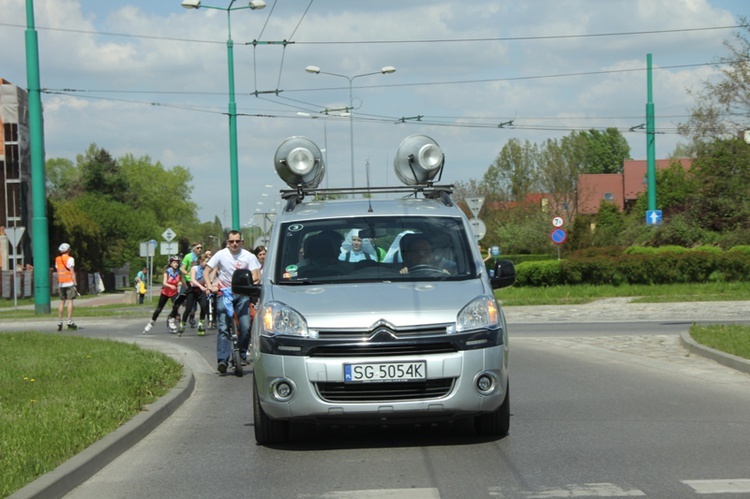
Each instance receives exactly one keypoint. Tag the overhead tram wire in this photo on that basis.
(431, 40)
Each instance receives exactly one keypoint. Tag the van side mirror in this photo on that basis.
(505, 274)
(242, 284)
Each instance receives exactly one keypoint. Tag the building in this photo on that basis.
(15, 176)
(620, 189)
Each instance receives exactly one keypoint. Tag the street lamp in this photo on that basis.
(233, 166)
(383, 70)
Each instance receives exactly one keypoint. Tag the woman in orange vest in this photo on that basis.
(67, 287)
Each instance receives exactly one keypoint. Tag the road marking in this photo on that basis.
(572, 490)
(376, 494)
(739, 486)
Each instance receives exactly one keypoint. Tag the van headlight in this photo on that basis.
(279, 319)
(480, 313)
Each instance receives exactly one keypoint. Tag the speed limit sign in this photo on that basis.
(558, 222)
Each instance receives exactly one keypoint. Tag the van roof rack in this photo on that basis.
(441, 192)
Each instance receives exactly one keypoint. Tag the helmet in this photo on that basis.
(64, 247)
(174, 258)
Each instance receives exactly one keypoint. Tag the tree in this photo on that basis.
(722, 108)
(604, 152)
(514, 170)
(722, 171)
(105, 207)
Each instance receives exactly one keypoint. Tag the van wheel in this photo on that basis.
(267, 430)
(497, 422)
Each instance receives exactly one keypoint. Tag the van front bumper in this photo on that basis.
(457, 384)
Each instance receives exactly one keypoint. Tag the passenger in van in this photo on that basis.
(320, 255)
(352, 250)
(416, 251)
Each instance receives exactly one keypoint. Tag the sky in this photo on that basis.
(150, 78)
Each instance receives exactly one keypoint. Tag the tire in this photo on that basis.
(497, 422)
(237, 361)
(267, 431)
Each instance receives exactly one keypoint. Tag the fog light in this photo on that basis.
(485, 383)
(282, 389)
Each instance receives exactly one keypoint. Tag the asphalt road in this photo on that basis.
(614, 408)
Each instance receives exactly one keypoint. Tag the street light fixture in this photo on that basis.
(232, 108)
(383, 70)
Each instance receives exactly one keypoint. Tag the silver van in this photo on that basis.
(374, 304)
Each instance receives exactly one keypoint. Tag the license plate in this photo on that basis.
(387, 371)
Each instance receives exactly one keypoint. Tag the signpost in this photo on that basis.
(653, 217)
(558, 234)
(15, 234)
(148, 250)
(477, 225)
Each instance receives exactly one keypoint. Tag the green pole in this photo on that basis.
(39, 226)
(233, 160)
(650, 141)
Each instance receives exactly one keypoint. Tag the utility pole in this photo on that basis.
(650, 140)
(39, 224)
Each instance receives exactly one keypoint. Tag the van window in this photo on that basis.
(368, 249)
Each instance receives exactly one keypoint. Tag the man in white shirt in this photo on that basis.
(218, 277)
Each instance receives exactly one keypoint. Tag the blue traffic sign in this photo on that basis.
(558, 236)
(653, 217)
(495, 250)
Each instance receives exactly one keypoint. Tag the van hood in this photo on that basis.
(360, 305)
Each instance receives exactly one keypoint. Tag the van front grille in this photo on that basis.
(385, 392)
(380, 349)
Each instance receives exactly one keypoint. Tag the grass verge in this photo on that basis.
(60, 394)
(730, 338)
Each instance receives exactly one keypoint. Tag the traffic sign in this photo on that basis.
(168, 235)
(168, 249)
(475, 204)
(558, 222)
(14, 234)
(495, 251)
(558, 236)
(653, 217)
(478, 228)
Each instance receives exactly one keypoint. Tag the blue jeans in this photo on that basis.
(224, 340)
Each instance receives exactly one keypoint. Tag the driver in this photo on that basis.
(416, 250)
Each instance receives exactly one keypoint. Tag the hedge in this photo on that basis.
(696, 265)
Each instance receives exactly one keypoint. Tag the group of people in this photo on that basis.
(408, 248)
(201, 276)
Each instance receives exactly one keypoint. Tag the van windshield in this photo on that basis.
(369, 249)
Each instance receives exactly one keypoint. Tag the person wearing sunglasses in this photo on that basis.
(218, 278)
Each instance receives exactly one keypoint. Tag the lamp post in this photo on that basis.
(383, 70)
(232, 108)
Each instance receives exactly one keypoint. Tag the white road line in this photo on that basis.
(376, 494)
(738, 486)
(571, 490)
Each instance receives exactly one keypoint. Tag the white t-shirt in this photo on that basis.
(227, 262)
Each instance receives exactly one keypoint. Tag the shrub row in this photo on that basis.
(693, 266)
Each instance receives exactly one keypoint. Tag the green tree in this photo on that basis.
(722, 171)
(722, 108)
(104, 207)
(514, 170)
(605, 151)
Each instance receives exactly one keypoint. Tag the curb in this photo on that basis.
(91, 460)
(723, 358)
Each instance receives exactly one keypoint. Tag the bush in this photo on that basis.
(544, 273)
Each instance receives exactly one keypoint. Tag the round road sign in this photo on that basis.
(558, 221)
(558, 236)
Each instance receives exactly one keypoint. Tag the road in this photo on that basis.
(599, 409)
